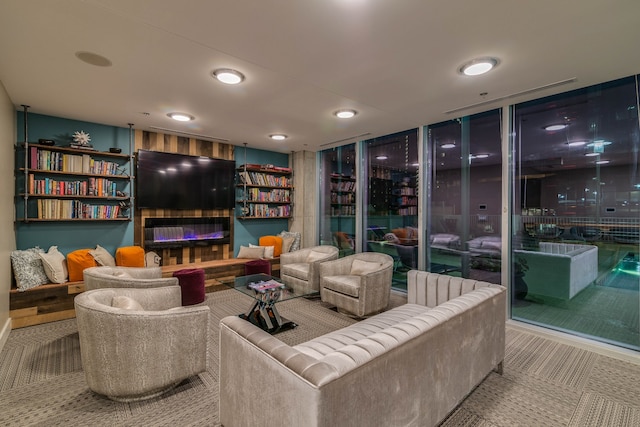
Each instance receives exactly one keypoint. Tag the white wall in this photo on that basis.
(8, 137)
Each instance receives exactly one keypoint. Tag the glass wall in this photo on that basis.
(576, 212)
(391, 216)
(338, 198)
(465, 203)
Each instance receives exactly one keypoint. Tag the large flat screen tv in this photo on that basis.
(178, 181)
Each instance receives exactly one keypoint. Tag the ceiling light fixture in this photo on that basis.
(278, 136)
(383, 157)
(556, 126)
(592, 154)
(478, 66)
(448, 145)
(602, 162)
(345, 114)
(181, 117)
(576, 143)
(228, 76)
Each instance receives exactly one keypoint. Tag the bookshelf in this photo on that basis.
(343, 195)
(264, 192)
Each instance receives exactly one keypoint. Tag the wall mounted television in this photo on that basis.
(178, 181)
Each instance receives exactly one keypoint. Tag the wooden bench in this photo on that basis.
(53, 301)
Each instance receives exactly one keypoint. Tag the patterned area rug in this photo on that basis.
(544, 382)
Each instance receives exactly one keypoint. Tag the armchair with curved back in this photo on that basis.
(138, 343)
(125, 277)
(300, 269)
(359, 284)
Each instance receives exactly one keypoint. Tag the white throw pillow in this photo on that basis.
(315, 256)
(247, 252)
(287, 242)
(268, 250)
(125, 303)
(361, 268)
(55, 266)
(102, 256)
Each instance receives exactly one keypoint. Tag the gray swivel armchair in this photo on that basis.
(359, 284)
(125, 277)
(299, 269)
(138, 343)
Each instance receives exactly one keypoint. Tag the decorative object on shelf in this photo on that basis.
(43, 141)
(81, 140)
(115, 150)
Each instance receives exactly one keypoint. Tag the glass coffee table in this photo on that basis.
(267, 291)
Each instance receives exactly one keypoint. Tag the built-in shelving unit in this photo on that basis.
(72, 184)
(264, 192)
(343, 195)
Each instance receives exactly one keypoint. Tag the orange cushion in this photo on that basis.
(275, 241)
(130, 256)
(77, 261)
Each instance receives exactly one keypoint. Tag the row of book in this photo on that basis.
(256, 195)
(264, 179)
(343, 211)
(412, 210)
(343, 186)
(271, 168)
(75, 209)
(46, 160)
(100, 187)
(343, 198)
(266, 211)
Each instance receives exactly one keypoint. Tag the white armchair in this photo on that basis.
(359, 284)
(299, 269)
(125, 277)
(138, 343)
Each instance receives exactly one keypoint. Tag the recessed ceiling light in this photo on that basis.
(228, 76)
(448, 145)
(415, 164)
(481, 156)
(478, 66)
(345, 114)
(383, 157)
(278, 136)
(181, 117)
(556, 126)
(576, 143)
(602, 162)
(93, 59)
(592, 154)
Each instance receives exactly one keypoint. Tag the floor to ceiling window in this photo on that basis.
(464, 227)
(576, 212)
(338, 198)
(391, 220)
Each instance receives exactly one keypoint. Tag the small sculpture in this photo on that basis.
(81, 139)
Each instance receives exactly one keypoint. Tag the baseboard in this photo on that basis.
(4, 332)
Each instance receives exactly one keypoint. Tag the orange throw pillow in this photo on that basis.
(275, 241)
(77, 261)
(130, 256)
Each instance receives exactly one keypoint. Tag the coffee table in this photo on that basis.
(263, 312)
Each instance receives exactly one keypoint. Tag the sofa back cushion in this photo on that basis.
(432, 289)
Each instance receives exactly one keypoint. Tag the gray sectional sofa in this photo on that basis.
(408, 366)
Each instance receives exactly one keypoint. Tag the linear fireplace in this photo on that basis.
(160, 233)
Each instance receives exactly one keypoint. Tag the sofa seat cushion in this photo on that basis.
(328, 343)
(297, 270)
(347, 285)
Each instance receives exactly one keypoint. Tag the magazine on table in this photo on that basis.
(265, 285)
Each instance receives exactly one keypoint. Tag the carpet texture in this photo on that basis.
(544, 382)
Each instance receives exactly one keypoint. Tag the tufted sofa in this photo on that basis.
(559, 270)
(409, 366)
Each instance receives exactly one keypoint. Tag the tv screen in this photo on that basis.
(178, 181)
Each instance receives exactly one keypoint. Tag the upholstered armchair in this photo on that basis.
(299, 269)
(359, 284)
(138, 343)
(125, 277)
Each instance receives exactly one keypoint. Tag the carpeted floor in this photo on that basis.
(545, 383)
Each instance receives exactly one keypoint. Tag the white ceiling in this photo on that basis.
(394, 61)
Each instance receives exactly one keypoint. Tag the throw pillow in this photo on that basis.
(28, 269)
(77, 261)
(296, 239)
(55, 266)
(268, 250)
(126, 303)
(275, 241)
(152, 259)
(361, 268)
(316, 256)
(130, 256)
(247, 252)
(103, 257)
(392, 238)
(286, 244)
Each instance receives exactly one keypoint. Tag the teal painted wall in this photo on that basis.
(69, 236)
(249, 230)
